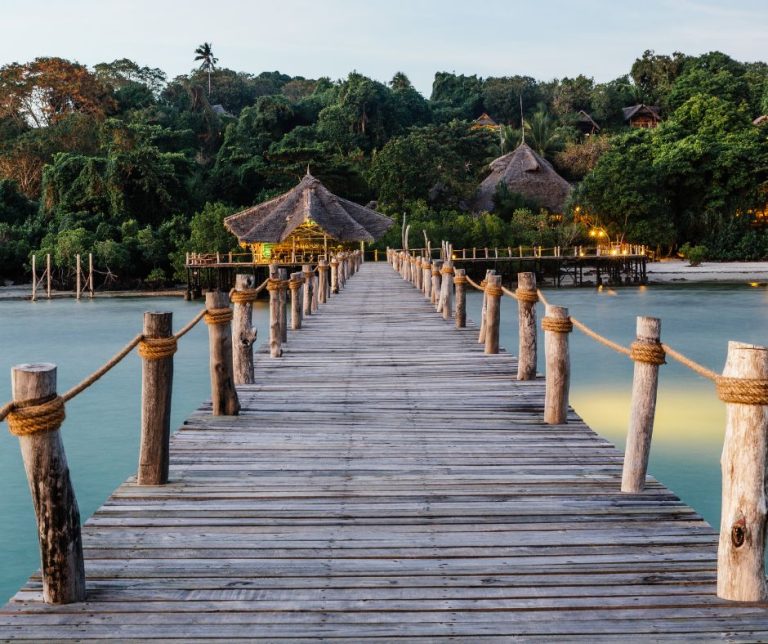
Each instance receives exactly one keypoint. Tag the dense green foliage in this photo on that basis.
(138, 169)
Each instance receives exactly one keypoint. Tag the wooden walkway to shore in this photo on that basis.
(388, 480)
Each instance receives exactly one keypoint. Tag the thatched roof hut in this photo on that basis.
(527, 173)
(306, 219)
(586, 124)
(761, 120)
(647, 116)
(486, 122)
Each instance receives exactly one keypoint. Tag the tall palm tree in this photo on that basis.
(541, 133)
(205, 53)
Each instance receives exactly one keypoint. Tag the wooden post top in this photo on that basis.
(33, 380)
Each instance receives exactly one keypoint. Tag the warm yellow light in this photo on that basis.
(754, 284)
(614, 252)
(592, 233)
(581, 254)
(603, 233)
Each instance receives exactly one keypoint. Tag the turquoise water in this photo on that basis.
(101, 433)
(102, 428)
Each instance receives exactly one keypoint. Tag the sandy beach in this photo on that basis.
(678, 271)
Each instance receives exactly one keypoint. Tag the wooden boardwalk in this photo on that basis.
(388, 480)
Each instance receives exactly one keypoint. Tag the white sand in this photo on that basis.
(677, 270)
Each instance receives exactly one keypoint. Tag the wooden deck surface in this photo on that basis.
(388, 480)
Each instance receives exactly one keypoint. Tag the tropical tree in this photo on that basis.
(205, 53)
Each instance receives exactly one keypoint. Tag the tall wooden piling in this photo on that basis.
(445, 305)
(90, 275)
(79, 275)
(48, 275)
(223, 394)
(306, 269)
(484, 307)
(526, 315)
(275, 335)
(493, 295)
(322, 281)
(156, 388)
(741, 550)
(295, 287)
(53, 497)
(648, 356)
(460, 284)
(436, 284)
(334, 275)
(283, 299)
(243, 332)
(34, 278)
(557, 325)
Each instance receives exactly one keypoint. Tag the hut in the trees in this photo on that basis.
(761, 120)
(646, 116)
(586, 124)
(304, 223)
(527, 173)
(485, 122)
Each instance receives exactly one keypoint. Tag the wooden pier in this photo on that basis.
(386, 479)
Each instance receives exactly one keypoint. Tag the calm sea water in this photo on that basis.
(102, 428)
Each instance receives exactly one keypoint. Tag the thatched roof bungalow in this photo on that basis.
(306, 220)
(761, 120)
(484, 122)
(527, 173)
(586, 124)
(646, 116)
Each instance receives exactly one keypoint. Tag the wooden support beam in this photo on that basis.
(493, 295)
(460, 281)
(558, 369)
(243, 333)
(223, 394)
(526, 316)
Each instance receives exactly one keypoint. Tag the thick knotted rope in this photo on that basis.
(493, 290)
(37, 415)
(557, 325)
(218, 316)
(157, 348)
(475, 285)
(648, 352)
(746, 391)
(460, 279)
(529, 297)
(447, 270)
(435, 271)
(246, 295)
(295, 285)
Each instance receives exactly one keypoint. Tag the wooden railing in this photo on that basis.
(743, 387)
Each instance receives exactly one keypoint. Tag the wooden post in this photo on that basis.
(48, 275)
(243, 333)
(483, 308)
(34, 278)
(295, 286)
(315, 287)
(526, 316)
(322, 281)
(156, 388)
(275, 336)
(375, 254)
(558, 367)
(446, 290)
(493, 294)
(77, 280)
(334, 275)
(53, 497)
(459, 281)
(283, 275)
(90, 275)
(307, 271)
(740, 553)
(436, 284)
(223, 393)
(643, 409)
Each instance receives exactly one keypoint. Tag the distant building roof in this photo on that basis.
(761, 120)
(641, 110)
(585, 119)
(310, 200)
(485, 121)
(221, 110)
(527, 173)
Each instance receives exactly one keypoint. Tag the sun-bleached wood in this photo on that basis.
(156, 388)
(436, 283)
(558, 374)
(526, 317)
(492, 315)
(446, 293)
(275, 336)
(483, 307)
(224, 398)
(282, 273)
(314, 299)
(334, 275)
(461, 299)
(295, 289)
(53, 497)
(306, 270)
(322, 281)
(741, 549)
(243, 334)
(642, 411)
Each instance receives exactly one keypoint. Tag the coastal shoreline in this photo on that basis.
(677, 271)
(24, 292)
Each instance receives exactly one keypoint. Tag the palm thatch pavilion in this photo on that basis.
(527, 173)
(304, 223)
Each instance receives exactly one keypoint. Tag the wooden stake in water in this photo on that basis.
(79, 273)
(48, 275)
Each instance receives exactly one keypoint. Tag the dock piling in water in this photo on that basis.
(526, 316)
(556, 326)
(223, 394)
(243, 332)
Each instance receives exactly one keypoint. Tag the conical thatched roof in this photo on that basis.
(274, 220)
(527, 173)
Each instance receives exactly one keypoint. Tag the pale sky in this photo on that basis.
(313, 38)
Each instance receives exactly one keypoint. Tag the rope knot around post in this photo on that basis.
(157, 348)
(524, 295)
(295, 284)
(435, 271)
(459, 279)
(447, 270)
(650, 352)
(744, 391)
(219, 316)
(244, 296)
(557, 325)
(39, 415)
(493, 290)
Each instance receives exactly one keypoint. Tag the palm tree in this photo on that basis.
(542, 134)
(509, 137)
(205, 53)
